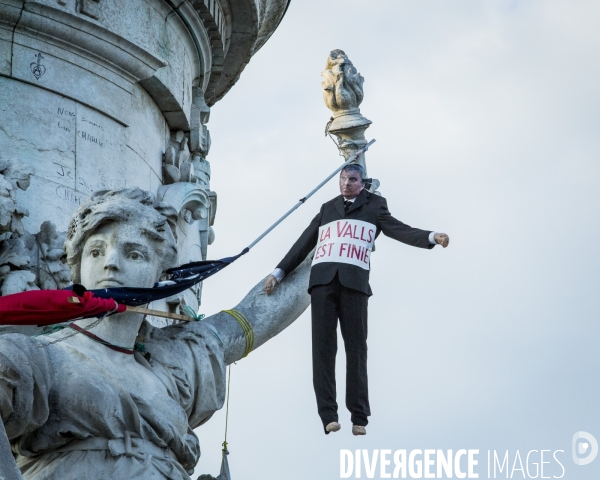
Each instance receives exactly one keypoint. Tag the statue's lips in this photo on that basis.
(109, 281)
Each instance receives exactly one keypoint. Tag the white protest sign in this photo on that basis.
(346, 241)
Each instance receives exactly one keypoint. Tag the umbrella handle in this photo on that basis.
(311, 193)
(160, 313)
(148, 311)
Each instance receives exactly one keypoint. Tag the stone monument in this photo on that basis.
(115, 96)
(106, 94)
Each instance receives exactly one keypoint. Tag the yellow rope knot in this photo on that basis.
(246, 327)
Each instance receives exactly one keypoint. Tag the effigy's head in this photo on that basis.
(121, 238)
(352, 180)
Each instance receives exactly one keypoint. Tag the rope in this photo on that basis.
(51, 329)
(72, 334)
(337, 145)
(189, 311)
(112, 346)
(246, 327)
(227, 408)
(249, 335)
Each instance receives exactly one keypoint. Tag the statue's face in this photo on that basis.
(119, 255)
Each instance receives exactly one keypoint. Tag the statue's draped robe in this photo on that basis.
(53, 396)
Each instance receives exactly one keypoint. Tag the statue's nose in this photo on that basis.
(112, 260)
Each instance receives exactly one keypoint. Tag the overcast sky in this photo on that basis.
(486, 116)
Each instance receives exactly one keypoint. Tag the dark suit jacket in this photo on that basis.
(368, 208)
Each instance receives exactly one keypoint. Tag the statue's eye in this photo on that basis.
(95, 253)
(135, 256)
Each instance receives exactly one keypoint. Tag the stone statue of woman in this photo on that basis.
(78, 407)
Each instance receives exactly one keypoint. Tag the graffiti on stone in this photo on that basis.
(37, 69)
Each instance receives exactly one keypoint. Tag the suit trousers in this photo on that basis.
(328, 304)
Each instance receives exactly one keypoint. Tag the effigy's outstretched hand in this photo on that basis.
(270, 284)
(268, 313)
(442, 239)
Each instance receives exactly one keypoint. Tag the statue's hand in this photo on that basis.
(442, 239)
(270, 284)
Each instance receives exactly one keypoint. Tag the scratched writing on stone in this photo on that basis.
(82, 182)
(63, 170)
(99, 182)
(65, 112)
(87, 120)
(62, 126)
(90, 138)
(69, 196)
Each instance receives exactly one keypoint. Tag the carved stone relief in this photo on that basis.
(200, 115)
(14, 256)
(185, 161)
(49, 258)
(176, 159)
(27, 261)
(186, 187)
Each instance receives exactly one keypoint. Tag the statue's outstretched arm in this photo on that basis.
(268, 314)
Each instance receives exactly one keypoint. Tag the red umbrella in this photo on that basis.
(47, 307)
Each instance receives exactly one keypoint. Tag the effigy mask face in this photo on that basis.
(350, 183)
(119, 254)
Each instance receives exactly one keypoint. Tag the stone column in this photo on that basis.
(343, 94)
